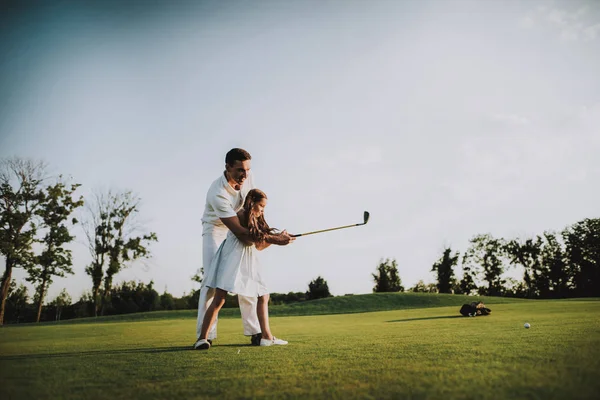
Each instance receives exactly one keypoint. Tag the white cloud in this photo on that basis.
(497, 170)
(580, 12)
(352, 156)
(568, 25)
(587, 123)
(589, 112)
(591, 32)
(372, 155)
(579, 175)
(510, 119)
(519, 164)
(527, 22)
(569, 35)
(556, 17)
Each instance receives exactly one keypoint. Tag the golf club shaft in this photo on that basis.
(326, 230)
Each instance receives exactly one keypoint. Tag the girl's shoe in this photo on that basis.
(274, 342)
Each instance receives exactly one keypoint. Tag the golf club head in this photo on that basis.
(366, 217)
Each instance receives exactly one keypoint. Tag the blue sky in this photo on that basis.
(444, 119)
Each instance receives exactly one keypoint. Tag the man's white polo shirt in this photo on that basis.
(223, 201)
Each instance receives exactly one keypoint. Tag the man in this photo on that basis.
(224, 199)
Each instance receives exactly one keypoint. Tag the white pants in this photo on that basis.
(210, 244)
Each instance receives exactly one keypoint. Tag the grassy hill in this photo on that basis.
(333, 305)
(381, 302)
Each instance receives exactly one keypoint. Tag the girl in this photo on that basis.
(235, 269)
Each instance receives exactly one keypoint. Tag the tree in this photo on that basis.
(515, 288)
(485, 254)
(97, 233)
(467, 284)
(418, 288)
(527, 253)
(195, 295)
(582, 242)
(21, 196)
(16, 302)
(422, 287)
(131, 297)
(286, 298)
(318, 289)
(114, 241)
(553, 259)
(55, 259)
(62, 300)
(431, 288)
(445, 273)
(198, 276)
(167, 302)
(84, 307)
(386, 277)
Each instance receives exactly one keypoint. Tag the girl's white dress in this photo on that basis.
(235, 268)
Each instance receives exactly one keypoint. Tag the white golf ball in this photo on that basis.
(527, 325)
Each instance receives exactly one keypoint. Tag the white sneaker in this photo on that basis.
(202, 344)
(275, 341)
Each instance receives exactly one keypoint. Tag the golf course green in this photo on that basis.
(374, 346)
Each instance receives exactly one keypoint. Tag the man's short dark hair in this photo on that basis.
(236, 154)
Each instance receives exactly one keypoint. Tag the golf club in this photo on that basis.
(366, 219)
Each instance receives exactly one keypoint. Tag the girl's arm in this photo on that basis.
(239, 227)
(281, 239)
(261, 245)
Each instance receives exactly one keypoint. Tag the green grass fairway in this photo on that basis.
(414, 353)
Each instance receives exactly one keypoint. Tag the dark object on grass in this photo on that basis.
(474, 309)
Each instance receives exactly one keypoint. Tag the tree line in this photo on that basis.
(36, 219)
(126, 298)
(553, 265)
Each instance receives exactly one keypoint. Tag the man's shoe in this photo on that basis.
(274, 342)
(202, 344)
(255, 339)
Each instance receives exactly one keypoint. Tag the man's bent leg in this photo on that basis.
(206, 296)
(249, 317)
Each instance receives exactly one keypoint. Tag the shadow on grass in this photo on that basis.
(426, 318)
(94, 353)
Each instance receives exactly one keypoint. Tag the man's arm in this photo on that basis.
(234, 225)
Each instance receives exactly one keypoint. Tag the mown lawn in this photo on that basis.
(410, 353)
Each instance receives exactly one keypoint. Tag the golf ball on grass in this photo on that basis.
(527, 326)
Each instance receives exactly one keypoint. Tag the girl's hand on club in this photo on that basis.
(286, 238)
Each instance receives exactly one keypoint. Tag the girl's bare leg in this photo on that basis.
(262, 312)
(212, 311)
